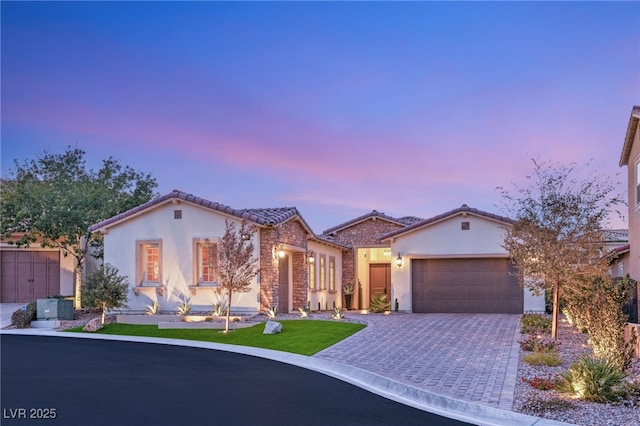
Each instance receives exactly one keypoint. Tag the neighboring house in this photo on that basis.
(159, 246)
(27, 274)
(630, 157)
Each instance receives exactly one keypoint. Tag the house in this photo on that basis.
(454, 262)
(160, 247)
(630, 157)
(33, 273)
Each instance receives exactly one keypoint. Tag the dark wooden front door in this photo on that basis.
(380, 279)
(283, 285)
(28, 275)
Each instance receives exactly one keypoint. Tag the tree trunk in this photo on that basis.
(556, 308)
(104, 309)
(78, 285)
(226, 330)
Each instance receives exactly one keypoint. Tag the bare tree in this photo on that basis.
(556, 238)
(236, 263)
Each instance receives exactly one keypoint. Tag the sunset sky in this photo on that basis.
(336, 108)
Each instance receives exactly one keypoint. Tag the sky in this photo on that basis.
(336, 108)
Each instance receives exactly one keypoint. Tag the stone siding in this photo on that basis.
(291, 233)
(365, 233)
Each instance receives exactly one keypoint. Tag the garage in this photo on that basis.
(27, 275)
(465, 285)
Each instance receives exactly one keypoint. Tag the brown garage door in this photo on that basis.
(465, 286)
(28, 275)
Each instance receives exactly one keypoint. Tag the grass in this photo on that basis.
(550, 359)
(298, 337)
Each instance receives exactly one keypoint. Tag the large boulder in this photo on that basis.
(93, 325)
(272, 327)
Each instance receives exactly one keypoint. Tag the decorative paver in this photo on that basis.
(473, 357)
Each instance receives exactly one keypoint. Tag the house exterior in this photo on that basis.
(454, 262)
(162, 246)
(630, 157)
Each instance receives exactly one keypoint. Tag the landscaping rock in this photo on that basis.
(93, 325)
(272, 327)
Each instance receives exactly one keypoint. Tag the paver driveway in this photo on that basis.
(473, 357)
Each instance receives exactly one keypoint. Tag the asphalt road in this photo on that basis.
(65, 381)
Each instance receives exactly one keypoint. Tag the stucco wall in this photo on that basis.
(325, 297)
(447, 239)
(634, 208)
(177, 255)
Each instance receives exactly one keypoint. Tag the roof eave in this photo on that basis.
(629, 136)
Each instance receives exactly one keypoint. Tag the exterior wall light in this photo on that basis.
(399, 260)
(281, 252)
(245, 237)
(310, 257)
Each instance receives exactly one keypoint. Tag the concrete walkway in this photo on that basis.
(473, 357)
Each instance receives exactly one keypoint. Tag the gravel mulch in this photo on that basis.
(553, 405)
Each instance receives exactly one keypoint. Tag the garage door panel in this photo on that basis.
(28, 275)
(468, 285)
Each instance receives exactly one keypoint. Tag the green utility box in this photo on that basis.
(54, 309)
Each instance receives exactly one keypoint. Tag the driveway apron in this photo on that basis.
(473, 357)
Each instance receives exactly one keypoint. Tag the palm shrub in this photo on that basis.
(379, 303)
(591, 379)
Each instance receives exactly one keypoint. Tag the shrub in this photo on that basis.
(542, 383)
(596, 305)
(592, 379)
(337, 313)
(304, 312)
(272, 312)
(550, 359)
(538, 344)
(183, 308)
(22, 319)
(220, 309)
(379, 303)
(155, 308)
(535, 323)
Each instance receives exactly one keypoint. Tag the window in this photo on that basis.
(621, 269)
(149, 262)
(207, 261)
(177, 214)
(312, 276)
(332, 273)
(323, 272)
(466, 226)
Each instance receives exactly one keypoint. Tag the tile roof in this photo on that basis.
(410, 220)
(629, 135)
(372, 214)
(462, 209)
(262, 217)
(616, 235)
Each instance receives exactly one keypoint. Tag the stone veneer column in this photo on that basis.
(268, 270)
(300, 280)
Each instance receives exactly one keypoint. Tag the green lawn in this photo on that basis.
(305, 337)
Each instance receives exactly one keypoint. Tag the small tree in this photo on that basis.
(236, 264)
(556, 238)
(105, 289)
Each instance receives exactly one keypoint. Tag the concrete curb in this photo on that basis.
(408, 395)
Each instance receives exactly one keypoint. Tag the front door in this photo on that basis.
(283, 285)
(380, 279)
